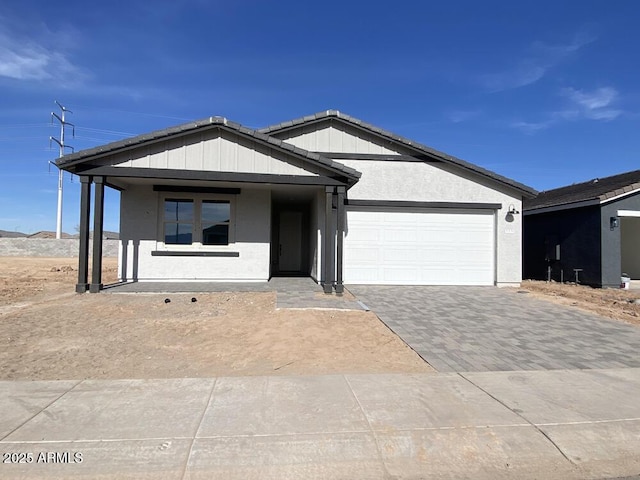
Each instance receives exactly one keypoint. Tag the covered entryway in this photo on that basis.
(291, 232)
(419, 246)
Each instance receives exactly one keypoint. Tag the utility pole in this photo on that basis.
(63, 124)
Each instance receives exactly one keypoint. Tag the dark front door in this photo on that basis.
(290, 247)
(290, 239)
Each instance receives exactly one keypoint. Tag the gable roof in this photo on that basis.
(69, 162)
(415, 146)
(595, 191)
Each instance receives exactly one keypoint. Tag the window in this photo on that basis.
(178, 222)
(215, 217)
(195, 221)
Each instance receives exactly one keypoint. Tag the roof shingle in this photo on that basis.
(597, 189)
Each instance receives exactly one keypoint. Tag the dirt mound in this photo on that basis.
(613, 303)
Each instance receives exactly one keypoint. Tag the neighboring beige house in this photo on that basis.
(326, 196)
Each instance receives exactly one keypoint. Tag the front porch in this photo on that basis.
(213, 201)
(272, 231)
(291, 292)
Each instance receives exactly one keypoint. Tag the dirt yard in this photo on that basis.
(48, 332)
(617, 304)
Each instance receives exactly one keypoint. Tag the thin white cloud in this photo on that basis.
(598, 104)
(595, 105)
(540, 58)
(525, 73)
(457, 116)
(28, 59)
(532, 127)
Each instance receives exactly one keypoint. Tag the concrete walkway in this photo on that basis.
(544, 424)
(291, 292)
(461, 329)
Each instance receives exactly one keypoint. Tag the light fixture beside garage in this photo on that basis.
(511, 211)
(614, 222)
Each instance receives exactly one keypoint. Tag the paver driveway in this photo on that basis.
(458, 329)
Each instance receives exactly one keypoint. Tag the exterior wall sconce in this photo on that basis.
(614, 222)
(512, 210)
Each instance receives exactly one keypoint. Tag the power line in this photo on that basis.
(129, 112)
(106, 132)
(24, 125)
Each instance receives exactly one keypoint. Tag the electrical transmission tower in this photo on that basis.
(63, 124)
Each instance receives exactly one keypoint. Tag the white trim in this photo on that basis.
(626, 194)
(628, 213)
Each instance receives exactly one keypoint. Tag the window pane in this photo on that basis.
(178, 210)
(215, 235)
(215, 212)
(177, 233)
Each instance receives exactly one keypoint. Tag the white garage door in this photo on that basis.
(426, 247)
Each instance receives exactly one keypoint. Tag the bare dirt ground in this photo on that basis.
(612, 303)
(48, 332)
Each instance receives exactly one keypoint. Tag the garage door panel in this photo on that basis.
(364, 234)
(419, 247)
(365, 254)
(400, 235)
(366, 275)
(401, 275)
(404, 255)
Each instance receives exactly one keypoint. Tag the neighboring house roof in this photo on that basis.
(68, 162)
(418, 147)
(592, 192)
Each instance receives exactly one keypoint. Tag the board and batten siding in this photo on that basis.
(338, 140)
(215, 153)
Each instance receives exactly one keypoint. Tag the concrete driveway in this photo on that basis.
(466, 329)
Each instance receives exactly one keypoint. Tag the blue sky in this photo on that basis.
(545, 92)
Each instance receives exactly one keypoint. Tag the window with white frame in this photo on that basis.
(189, 221)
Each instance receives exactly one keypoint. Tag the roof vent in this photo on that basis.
(596, 180)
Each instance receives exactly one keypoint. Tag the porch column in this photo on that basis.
(83, 251)
(329, 234)
(98, 221)
(340, 239)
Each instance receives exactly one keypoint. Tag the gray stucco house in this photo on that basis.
(326, 196)
(592, 226)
